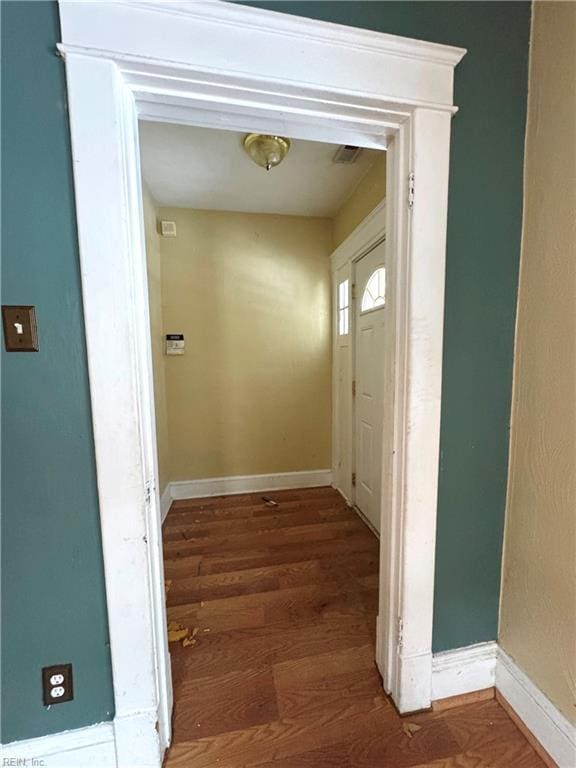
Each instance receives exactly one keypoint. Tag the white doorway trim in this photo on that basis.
(367, 235)
(370, 232)
(227, 66)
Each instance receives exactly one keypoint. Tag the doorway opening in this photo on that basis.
(247, 318)
(225, 65)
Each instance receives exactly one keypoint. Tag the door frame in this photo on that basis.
(367, 235)
(223, 65)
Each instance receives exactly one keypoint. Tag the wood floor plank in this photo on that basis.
(341, 568)
(394, 747)
(313, 532)
(332, 756)
(486, 729)
(196, 589)
(280, 739)
(281, 604)
(247, 697)
(193, 617)
(311, 603)
(486, 694)
(463, 760)
(188, 589)
(210, 585)
(323, 505)
(295, 672)
(318, 696)
(263, 522)
(247, 499)
(286, 553)
(175, 567)
(220, 652)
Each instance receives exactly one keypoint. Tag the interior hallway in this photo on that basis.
(276, 668)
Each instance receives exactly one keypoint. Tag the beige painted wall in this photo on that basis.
(251, 293)
(538, 606)
(154, 269)
(365, 197)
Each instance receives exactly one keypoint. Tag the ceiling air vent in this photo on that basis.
(347, 154)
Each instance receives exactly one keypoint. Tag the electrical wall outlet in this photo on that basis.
(57, 684)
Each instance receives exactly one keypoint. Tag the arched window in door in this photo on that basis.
(374, 295)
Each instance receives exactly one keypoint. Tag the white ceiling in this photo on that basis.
(207, 169)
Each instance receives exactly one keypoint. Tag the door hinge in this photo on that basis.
(353, 290)
(353, 387)
(148, 491)
(353, 479)
(399, 639)
(411, 190)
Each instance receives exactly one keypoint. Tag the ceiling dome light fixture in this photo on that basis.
(266, 151)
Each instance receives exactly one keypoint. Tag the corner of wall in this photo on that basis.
(154, 270)
(370, 190)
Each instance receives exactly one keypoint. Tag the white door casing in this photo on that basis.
(226, 66)
(369, 394)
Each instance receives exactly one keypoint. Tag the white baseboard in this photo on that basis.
(138, 739)
(91, 747)
(464, 670)
(485, 665)
(414, 684)
(221, 486)
(126, 742)
(539, 715)
(346, 499)
(165, 502)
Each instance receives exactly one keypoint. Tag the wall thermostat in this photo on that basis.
(174, 343)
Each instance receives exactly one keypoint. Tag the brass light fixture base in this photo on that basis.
(266, 151)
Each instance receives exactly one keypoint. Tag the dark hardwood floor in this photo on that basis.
(273, 609)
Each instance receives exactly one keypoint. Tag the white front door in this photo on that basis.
(369, 316)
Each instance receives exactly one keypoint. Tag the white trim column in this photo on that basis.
(113, 308)
(425, 267)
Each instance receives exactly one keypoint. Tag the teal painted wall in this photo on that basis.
(53, 607)
(483, 251)
(53, 602)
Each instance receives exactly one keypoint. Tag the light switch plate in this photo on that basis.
(20, 332)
